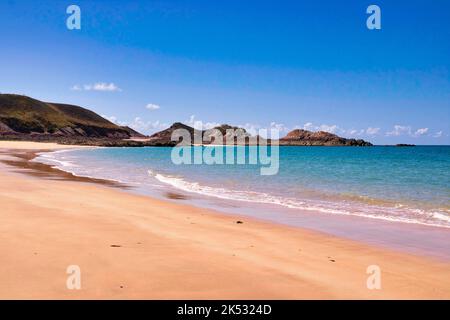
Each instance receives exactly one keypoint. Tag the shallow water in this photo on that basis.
(347, 191)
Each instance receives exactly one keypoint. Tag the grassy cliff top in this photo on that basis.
(25, 115)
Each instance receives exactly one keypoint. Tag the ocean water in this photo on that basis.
(404, 185)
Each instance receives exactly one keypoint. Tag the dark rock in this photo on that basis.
(300, 137)
(405, 145)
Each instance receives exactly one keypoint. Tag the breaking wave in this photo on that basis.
(397, 213)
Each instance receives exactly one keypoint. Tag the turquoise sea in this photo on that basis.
(399, 184)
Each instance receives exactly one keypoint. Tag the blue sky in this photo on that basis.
(285, 64)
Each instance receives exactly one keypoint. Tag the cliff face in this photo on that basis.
(22, 115)
(300, 137)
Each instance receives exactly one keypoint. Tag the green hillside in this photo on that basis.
(25, 115)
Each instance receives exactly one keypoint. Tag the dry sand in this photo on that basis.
(135, 247)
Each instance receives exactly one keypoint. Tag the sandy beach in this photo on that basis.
(134, 247)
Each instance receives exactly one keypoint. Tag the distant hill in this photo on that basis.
(164, 137)
(24, 115)
(296, 137)
(25, 118)
(299, 137)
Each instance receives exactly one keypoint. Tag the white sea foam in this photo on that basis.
(50, 159)
(394, 214)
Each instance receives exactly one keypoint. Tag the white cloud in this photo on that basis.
(279, 126)
(152, 106)
(102, 86)
(372, 131)
(420, 132)
(323, 127)
(147, 126)
(329, 128)
(309, 126)
(274, 130)
(99, 86)
(251, 128)
(335, 129)
(399, 130)
(200, 125)
(354, 132)
(139, 125)
(438, 134)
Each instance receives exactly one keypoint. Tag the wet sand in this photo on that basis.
(20, 159)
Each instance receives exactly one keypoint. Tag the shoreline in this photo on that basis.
(21, 159)
(414, 238)
(133, 246)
